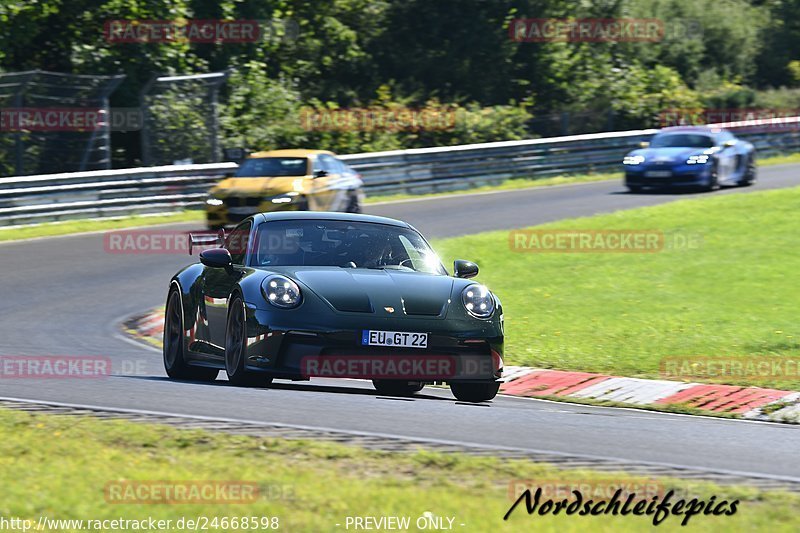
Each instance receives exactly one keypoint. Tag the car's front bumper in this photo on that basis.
(457, 350)
(652, 176)
(233, 210)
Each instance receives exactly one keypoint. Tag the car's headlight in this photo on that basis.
(287, 198)
(478, 301)
(214, 201)
(701, 159)
(282, 292)
(633, 160)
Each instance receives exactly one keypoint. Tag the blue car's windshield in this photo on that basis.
(682, 140)
(272, 167)
(344, 244)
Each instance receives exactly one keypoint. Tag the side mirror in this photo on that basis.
(464, 269)
(216, 258)
(644, 144)
(206, 239)
(320, 173)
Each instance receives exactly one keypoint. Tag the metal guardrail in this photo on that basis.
(35, 199)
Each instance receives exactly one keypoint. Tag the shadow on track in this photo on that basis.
(298, 386)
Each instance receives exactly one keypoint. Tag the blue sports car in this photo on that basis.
(690, 156)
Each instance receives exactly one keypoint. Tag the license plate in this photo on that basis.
(400, 339)
(658, 174)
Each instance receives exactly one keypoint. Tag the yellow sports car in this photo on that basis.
(285, 180)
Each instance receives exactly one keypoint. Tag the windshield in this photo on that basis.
(345, 244)
(682, 140)
(273, 166)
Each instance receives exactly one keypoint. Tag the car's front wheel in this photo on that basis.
(236, 348)
(174, 361)
(474, 392)
(389, 387)
(713, 180)
(750, 174)
(354, 203)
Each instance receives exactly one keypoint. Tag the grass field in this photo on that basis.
(65, 468)
(729, 293)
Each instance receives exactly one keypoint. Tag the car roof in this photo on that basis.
(691, 129)
(328, 215)
(294, 152)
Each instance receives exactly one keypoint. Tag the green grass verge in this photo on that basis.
(730, 295)
(60, 467)
(52, 229)
(528, 183)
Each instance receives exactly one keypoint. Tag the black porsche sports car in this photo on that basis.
(295, 295)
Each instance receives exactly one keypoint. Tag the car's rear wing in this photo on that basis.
(206, 239)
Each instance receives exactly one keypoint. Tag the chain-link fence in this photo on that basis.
(181, 122)
(52, 122)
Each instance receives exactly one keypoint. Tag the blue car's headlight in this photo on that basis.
(633, 160)
(701, 159)
(282, 292)
(478, 301)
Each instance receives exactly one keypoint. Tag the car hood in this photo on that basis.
(265, 186)
(376, 291)
(668, 154)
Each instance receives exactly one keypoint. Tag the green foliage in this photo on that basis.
(455, 54)
(267, 114)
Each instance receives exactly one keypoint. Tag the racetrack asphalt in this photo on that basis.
(67, 296)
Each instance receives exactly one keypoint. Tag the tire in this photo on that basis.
(751, 174)
(236, 348)
(389, 387)
(474, 392)
(713, 180)
(354, 203)
(174, 345)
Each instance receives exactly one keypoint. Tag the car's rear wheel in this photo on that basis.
(389, 387)
(474, 392)
(236, 349)
(174, 350)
